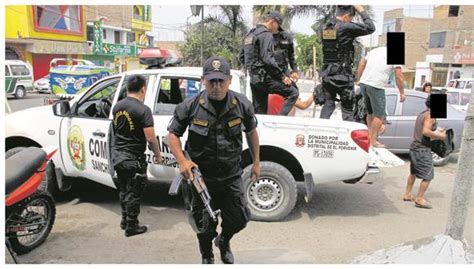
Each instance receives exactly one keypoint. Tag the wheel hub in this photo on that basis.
(265, 194)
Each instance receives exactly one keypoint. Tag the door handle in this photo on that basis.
(99, 134)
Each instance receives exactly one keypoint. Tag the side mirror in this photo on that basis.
(62, 108)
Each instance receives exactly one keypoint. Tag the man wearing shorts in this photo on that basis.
(374, 73)
(421, 159)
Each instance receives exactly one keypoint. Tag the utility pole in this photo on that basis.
(463, 183)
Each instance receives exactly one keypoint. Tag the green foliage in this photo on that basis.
(218, 41)
(304, 51)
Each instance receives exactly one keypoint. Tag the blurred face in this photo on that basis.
(217, 88)
(273, 26)
(428, 89)
(347, 17)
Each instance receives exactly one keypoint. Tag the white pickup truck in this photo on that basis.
(293, 149)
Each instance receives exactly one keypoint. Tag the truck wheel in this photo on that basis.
(20, 92)
(273, 195)
(439, 161)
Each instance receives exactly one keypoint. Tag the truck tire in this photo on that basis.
(20, 92)
(438, 161)
(273, 195)
(49, 183)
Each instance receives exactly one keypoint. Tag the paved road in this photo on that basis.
(32, 99)
(342, 222)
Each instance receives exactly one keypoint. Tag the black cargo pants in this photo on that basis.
(235, 214)
(131, 181)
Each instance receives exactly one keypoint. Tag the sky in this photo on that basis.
(169, 22)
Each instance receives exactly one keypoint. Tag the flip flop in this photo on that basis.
(379, 145)
(425, 206)
(408, 200)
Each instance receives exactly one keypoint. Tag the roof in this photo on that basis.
(14, 62)
(193, 71)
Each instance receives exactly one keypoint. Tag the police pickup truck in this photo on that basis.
(293, 149)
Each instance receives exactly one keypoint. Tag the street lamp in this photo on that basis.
(195, 10)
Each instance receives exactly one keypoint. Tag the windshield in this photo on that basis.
(453, 98)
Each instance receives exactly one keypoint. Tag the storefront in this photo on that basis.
(43, 51)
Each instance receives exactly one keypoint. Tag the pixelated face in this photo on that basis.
(217, 88)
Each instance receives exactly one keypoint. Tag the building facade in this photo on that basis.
(37, 34)
(451, 44)
(416, 33)
(123, 33)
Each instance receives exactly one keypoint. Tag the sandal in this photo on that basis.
(425, 206)
(379, 145)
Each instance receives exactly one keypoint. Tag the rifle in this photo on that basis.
(198, 184)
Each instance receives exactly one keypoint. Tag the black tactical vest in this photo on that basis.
(338, 46)
(215, 141)
(251, 49)
(282, 47)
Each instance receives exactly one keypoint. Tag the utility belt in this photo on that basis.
(336, 76)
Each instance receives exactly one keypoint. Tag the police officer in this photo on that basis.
(266, 76)
(216, 118)
(285, 53)
(338, 35)
(132, 128)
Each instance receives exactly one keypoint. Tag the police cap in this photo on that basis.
(341, 10)
(216, 68)
(276, 16)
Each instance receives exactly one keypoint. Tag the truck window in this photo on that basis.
(172, 91)
(97, 103)
(19, 70)
(7, 71)
(123, 89)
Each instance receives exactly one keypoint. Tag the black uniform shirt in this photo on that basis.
(285, 51)
(130, 117)
(214, 139)
(261, 40)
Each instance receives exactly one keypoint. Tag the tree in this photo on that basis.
(218, 41)
(230, 17)
(304, 51)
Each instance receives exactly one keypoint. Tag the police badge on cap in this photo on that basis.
(216, 68)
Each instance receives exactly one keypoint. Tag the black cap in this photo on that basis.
(341, 10)
(216, 68)
(276, 16)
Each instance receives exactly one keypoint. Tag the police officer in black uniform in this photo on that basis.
(132, 128)
(338, 36)
(285, 53)
(216, 118)
(266, 76)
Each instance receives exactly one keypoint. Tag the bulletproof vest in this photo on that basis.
(282, 46)
(215, 141)
(337, 45)
(251, 49)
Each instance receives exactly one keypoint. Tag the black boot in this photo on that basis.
(209, 260)
(133, 228)
(123, 222)
(205, 247)
(224, 246)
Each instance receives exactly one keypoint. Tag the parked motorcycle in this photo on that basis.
(30, 212)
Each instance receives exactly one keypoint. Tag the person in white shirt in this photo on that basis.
(374, 73)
